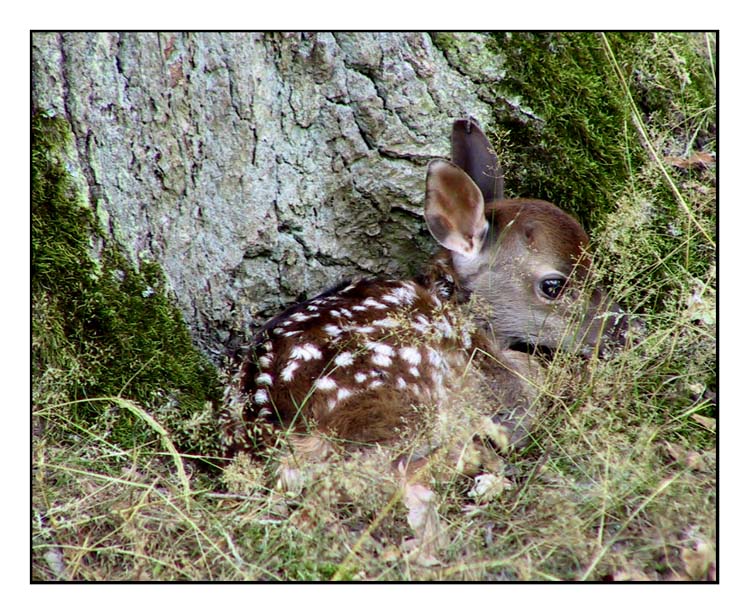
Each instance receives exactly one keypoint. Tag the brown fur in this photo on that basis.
(393, 393)
(545, 228)
(426, 360)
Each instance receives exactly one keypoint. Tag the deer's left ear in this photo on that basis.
(472, 152)
(454, 209)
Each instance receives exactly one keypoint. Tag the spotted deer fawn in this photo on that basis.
(383, 360)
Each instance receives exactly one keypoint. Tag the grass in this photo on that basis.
(101, 326)
(618, 483)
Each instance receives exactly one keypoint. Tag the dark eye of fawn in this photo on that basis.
(552, 287)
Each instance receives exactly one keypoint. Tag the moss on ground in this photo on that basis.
(100, 326)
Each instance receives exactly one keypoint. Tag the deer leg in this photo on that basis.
(296, 466)
(515, 381)
(422, 514)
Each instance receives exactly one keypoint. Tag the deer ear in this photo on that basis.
(454, 209)
(471, 151)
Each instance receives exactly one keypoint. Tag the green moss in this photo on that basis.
(569, 147)
(565, 110)
(568, 136)
(564, 128)
(101, 327)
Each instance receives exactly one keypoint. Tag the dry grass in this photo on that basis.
(614, 486)
(618, 483)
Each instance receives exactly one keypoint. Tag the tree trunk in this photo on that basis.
(255, 168)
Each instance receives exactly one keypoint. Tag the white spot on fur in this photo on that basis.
(444, 326)
(366, 329)
(402, 295)
(288, 372)
(332, 330)
(326, 383)
(347, 313)
(306, 352)
(381, 359)
(343, 394)
(400, 383)
(335, 313)
(360, 377)
(265, 361)
(264, 412)
(344, 359)
(312, 308)
(420, 323)
(370, 302)
(359, 308)
(375, 384)
(380, 348)
(410, 354)
(268, 346)
(414, 372)
(261, 396)
(300, 317)
(434, 357)
(385, 323)
(264, 379)
(291, 333)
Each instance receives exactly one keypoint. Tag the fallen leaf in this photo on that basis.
(698, 559)
(697, 160)
(422, 517)
(56, 562)
(417, 553)
(690, 459)
(472, 510)
(488, 486)
(705, 421)
(390, 554)
(630, 574)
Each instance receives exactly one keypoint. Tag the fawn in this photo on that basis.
(383, 360)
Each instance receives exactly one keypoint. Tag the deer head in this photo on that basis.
(526, 258)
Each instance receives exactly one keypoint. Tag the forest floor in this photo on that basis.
(618, 484)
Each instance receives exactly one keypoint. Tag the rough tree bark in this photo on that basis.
(256, 168)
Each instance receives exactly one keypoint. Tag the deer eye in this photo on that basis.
(552, 287)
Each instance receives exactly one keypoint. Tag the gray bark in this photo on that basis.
(256, 168)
